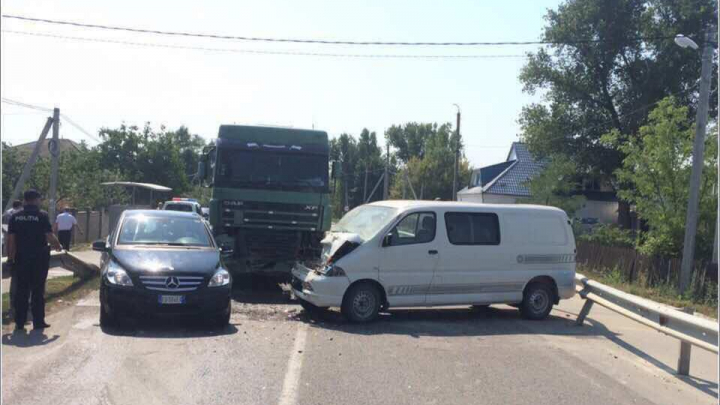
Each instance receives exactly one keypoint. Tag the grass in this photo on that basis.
(65, 288)
(663, 293)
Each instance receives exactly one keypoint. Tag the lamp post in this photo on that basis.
(698, 150)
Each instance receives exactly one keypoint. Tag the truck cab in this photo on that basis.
(270, 198)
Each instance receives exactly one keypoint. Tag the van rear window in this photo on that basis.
(470, 228)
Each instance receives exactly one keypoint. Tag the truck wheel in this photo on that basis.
(537, 301)
(361, 303)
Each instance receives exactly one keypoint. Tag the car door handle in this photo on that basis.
(432, 252)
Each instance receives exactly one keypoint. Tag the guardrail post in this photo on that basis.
(584, 312)
(683, 367)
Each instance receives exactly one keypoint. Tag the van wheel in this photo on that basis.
(361, 303)
(537, 301)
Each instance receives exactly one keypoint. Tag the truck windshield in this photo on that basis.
(365, 220)
(272, 170)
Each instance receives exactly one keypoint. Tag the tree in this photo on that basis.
(611, 81)
(557, 186)
(657, 166)
(431, 163)
(12, 166)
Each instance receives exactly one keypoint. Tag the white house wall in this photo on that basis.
(498, 199)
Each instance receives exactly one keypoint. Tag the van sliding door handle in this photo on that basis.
(432, 252)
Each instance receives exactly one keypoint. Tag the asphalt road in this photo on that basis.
(273, 353)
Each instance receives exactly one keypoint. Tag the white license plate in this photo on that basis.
(171, 299)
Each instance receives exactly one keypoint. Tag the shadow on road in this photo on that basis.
(448, 322)
(169, 328)
(25, 339)
(249, 289)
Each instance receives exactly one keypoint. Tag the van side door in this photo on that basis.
(473, 264)
(408, 259)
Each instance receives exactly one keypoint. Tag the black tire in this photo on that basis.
(107, 320)
(361, 303)
(223, 319)
(537, 303)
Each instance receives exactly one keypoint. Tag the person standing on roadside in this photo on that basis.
(29, 232)
(16, 206)
(64, 224)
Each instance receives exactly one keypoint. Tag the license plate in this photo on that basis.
(171, 299)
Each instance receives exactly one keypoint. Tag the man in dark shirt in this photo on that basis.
(29, 232)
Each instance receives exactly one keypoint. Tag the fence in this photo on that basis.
(634, 266)
(94, 225)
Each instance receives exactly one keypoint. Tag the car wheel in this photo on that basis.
(223, 319)
(537, 301)
(107, 319)
(361, 303)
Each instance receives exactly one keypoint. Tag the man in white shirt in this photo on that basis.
(64, 224)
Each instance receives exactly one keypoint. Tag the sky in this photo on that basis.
(102, 84)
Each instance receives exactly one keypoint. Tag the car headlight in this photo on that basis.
(117, 276)
(220, 278)
(332, 270)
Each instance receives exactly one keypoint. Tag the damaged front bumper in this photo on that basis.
(317, 289)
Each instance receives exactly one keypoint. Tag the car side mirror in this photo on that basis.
(387, 240)
(99, 246)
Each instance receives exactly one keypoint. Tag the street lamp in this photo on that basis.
(697, 161)
(685, 42)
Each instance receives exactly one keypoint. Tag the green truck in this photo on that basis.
(270, 203)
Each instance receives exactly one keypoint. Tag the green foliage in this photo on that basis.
(431, 171)
(608, 235)
(12, 166)
(592, 88)
(556, 186)
(657, 167)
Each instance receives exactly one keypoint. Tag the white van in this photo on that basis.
(429, 253)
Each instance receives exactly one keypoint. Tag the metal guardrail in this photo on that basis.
(71, 262)
(689, 329)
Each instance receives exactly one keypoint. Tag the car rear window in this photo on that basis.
(470, 228)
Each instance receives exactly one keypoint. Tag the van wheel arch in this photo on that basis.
(383, 294)
(545, 280)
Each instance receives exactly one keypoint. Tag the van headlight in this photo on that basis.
(332, 270)
(220, 278)
(117, 276)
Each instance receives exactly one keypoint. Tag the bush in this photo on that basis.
(609, 235)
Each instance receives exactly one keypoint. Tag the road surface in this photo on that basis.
(273, 353)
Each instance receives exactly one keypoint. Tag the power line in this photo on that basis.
(65, 117)
(309, 41)
(264, 52)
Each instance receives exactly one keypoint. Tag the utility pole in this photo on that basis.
(54, 148)
(29, 164)
(697, 163)
(386, 185)
(365, 186)
(457, 153)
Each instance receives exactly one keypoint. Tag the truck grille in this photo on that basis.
(171, 283)
(269, 215)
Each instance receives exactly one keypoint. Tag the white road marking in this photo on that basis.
(289, 393)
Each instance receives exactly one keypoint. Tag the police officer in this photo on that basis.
(29, 232)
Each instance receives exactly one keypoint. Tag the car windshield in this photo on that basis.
(150, 230)
(179, 207)
(365, 220)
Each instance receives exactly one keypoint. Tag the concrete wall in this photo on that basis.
(94, 225)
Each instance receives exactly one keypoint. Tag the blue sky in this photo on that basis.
(102, 84)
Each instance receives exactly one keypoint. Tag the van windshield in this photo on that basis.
(365, 220)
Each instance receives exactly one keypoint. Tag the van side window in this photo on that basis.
(469, 228)
(414, 228)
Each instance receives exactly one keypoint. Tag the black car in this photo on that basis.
(163, 263)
